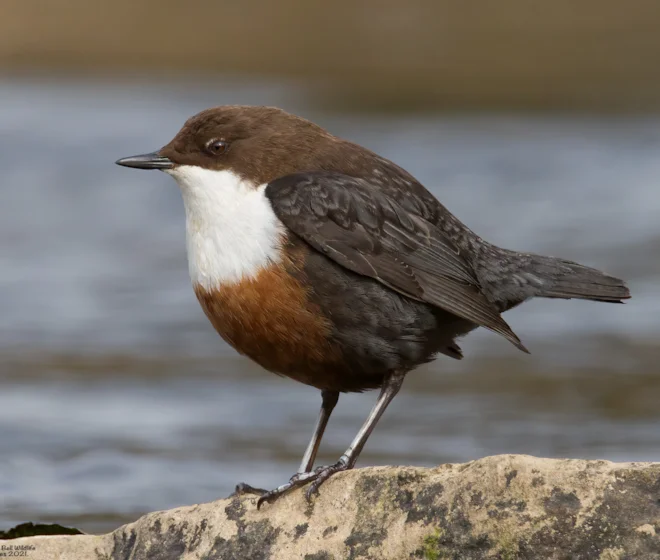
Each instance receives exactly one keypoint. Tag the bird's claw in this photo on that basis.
(322, 474)
(317, 477)
(298, 479)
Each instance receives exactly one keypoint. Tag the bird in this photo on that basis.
(326, 263)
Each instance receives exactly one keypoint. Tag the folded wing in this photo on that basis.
(362, 229)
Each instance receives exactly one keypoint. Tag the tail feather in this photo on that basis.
(566, 279)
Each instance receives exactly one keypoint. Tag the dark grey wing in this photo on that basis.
(361, 228)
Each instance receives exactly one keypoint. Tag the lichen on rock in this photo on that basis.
(506, 507)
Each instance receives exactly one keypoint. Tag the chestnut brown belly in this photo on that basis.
(270, 319)
(314, 321)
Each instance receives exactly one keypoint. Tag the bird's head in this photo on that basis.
(256, 144)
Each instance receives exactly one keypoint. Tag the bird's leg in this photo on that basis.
(347, 460)
(328, 403)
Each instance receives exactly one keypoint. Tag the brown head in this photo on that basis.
(222, 160)
(259, 144)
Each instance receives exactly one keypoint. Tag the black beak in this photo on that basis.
(146, 161)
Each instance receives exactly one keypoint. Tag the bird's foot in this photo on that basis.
(297, 480)
(323, 474)
(317, 477)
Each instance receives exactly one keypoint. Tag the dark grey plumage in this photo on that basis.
(424, 253)
(377, 330)
(364, 230)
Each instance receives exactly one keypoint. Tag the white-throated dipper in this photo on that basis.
(326, 263)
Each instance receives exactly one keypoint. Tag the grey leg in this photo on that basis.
(350, 456)
(328, 404)
(347, 460)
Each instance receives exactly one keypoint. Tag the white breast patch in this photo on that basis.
(231, 229)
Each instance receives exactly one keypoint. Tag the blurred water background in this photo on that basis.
(117, 397)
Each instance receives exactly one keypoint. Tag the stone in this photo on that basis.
(506, 507)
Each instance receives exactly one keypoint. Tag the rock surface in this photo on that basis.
(505, 507)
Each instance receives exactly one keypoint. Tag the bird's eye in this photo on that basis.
(217, 147)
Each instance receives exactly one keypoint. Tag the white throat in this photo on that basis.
(231, 229)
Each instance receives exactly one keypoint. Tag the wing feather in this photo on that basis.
(361, 228)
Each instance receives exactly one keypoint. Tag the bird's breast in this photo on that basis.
(269, 318)
(231, 229)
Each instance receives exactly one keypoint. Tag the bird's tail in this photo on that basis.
(559, 278)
